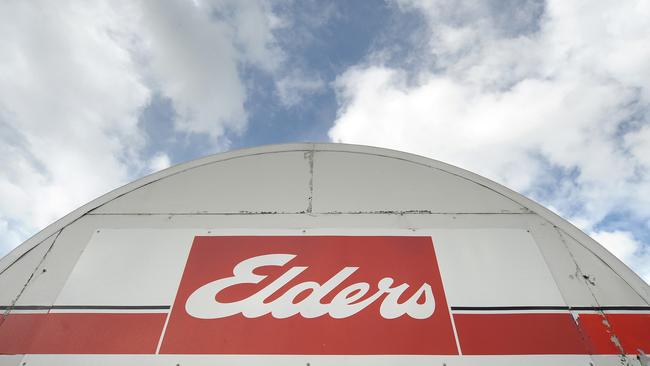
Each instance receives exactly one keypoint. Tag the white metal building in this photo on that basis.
(318, 254)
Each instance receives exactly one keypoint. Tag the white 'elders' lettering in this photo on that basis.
(202, 303)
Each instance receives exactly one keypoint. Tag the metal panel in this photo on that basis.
(148, 275)
(607, 287)
(15, 277)
(494, 268)
(561, 264)
(615, 265)
(58, 263)
(353, 182)
(274, 182)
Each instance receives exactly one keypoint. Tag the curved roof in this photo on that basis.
(324, 180)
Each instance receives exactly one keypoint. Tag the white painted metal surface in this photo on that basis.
(498, 252)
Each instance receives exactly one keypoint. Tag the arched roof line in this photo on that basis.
(312, 150)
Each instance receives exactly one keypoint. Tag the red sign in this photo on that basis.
(310, 295)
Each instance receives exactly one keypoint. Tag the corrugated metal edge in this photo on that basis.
(590, 244)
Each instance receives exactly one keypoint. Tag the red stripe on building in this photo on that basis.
(17, 332)
(479, 334)
(632, 331)
(359, 335)
(518, 334)
(76, 333)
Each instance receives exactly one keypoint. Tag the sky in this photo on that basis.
(550, 98)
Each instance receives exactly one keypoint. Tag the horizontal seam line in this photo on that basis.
(300, 213)
(98, 307)
(567, 308)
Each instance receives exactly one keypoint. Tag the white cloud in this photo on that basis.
(76, 75)
(70, 95)
(159, 162)
(293, 87)
(623, 245)
(9, 237)
(194, 52)
(552, 107)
